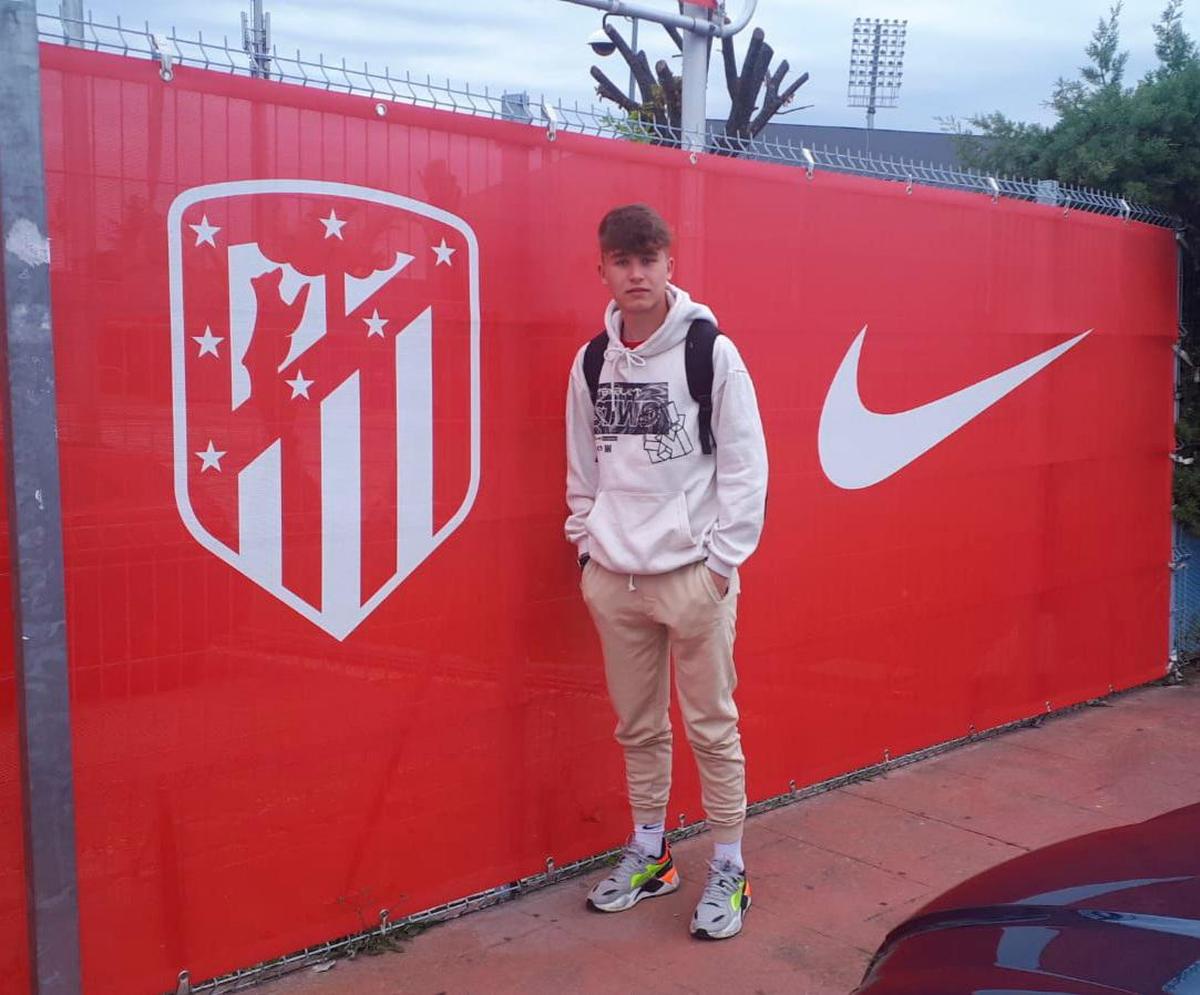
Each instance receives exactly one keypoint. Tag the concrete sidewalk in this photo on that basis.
(831, 874)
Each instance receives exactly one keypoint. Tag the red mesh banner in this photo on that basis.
(327, 650)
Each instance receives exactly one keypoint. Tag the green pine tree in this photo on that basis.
(1141, 141)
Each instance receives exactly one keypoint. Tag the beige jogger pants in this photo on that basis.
(642, 622)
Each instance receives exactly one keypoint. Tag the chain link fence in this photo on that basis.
(171, 49)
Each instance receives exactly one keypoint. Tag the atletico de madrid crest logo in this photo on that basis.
(325, 349)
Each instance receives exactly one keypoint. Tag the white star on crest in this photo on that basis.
(333, 225)
(208, 342)
(205, 232)
(210, 457)
(299, 385)
(375, 324)
(444, 252)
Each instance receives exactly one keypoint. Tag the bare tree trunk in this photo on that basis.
(662, 91)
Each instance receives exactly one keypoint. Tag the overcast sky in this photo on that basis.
(962, 58)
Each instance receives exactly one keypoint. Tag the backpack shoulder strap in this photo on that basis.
(698, 361)
(593, 363)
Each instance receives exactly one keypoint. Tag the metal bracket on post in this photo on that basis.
(185, 984)
(166, 59)
(810, 163)
(551, 122)
(71, 14)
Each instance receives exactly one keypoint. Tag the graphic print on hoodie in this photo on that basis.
(644, 409)
(643, 497)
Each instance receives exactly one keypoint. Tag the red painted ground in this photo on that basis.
(831, 875)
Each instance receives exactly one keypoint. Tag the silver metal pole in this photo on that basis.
(256, 40)
(1179, 566)
(685, 22)
(874, 78)
(634, 46)
(71, 13)
(30, 427)
(695, 82)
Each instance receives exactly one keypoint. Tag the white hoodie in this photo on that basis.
(643, 496)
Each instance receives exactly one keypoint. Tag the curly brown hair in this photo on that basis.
(634, 228)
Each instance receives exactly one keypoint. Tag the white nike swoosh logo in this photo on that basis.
(859, 447)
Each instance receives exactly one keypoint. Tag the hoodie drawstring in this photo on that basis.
(632, 360)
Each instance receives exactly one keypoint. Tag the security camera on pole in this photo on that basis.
(700, 21)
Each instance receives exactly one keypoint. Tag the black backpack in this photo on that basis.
(697, 361)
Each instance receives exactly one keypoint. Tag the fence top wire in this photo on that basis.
(172, 49)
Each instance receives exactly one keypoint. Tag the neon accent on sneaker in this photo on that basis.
(637, 875)
(652, 870)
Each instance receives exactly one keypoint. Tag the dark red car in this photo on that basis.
(1116, 911)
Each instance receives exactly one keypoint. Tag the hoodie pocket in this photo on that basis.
(641, 533)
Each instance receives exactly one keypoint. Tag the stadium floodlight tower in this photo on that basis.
(876, 64)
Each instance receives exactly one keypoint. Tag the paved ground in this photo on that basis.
(831, 875)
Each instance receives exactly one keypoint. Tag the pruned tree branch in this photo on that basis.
(636, 61)
(609, 90)
(774, 101)
(729, 58)
(661, 105)
(672, 88)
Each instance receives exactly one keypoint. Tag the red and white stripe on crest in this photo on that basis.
(327, 419)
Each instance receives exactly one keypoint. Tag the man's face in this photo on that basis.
(637, 280)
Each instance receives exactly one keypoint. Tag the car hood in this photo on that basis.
(1112, 912)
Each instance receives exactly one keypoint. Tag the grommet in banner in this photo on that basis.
(380, 110)
(550, 868)
(1048, 709)
(792, 787)
(682, 820)
(384, 915)
(887, 755)
(908, 187)
(693, 158)
(185, 984)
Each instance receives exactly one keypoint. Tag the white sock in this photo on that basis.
(731, 852)
(649, 836)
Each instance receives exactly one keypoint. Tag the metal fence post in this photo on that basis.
(35, 516)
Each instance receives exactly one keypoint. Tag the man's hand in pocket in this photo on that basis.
(719, 582)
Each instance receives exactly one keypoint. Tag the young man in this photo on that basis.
(661, 527)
